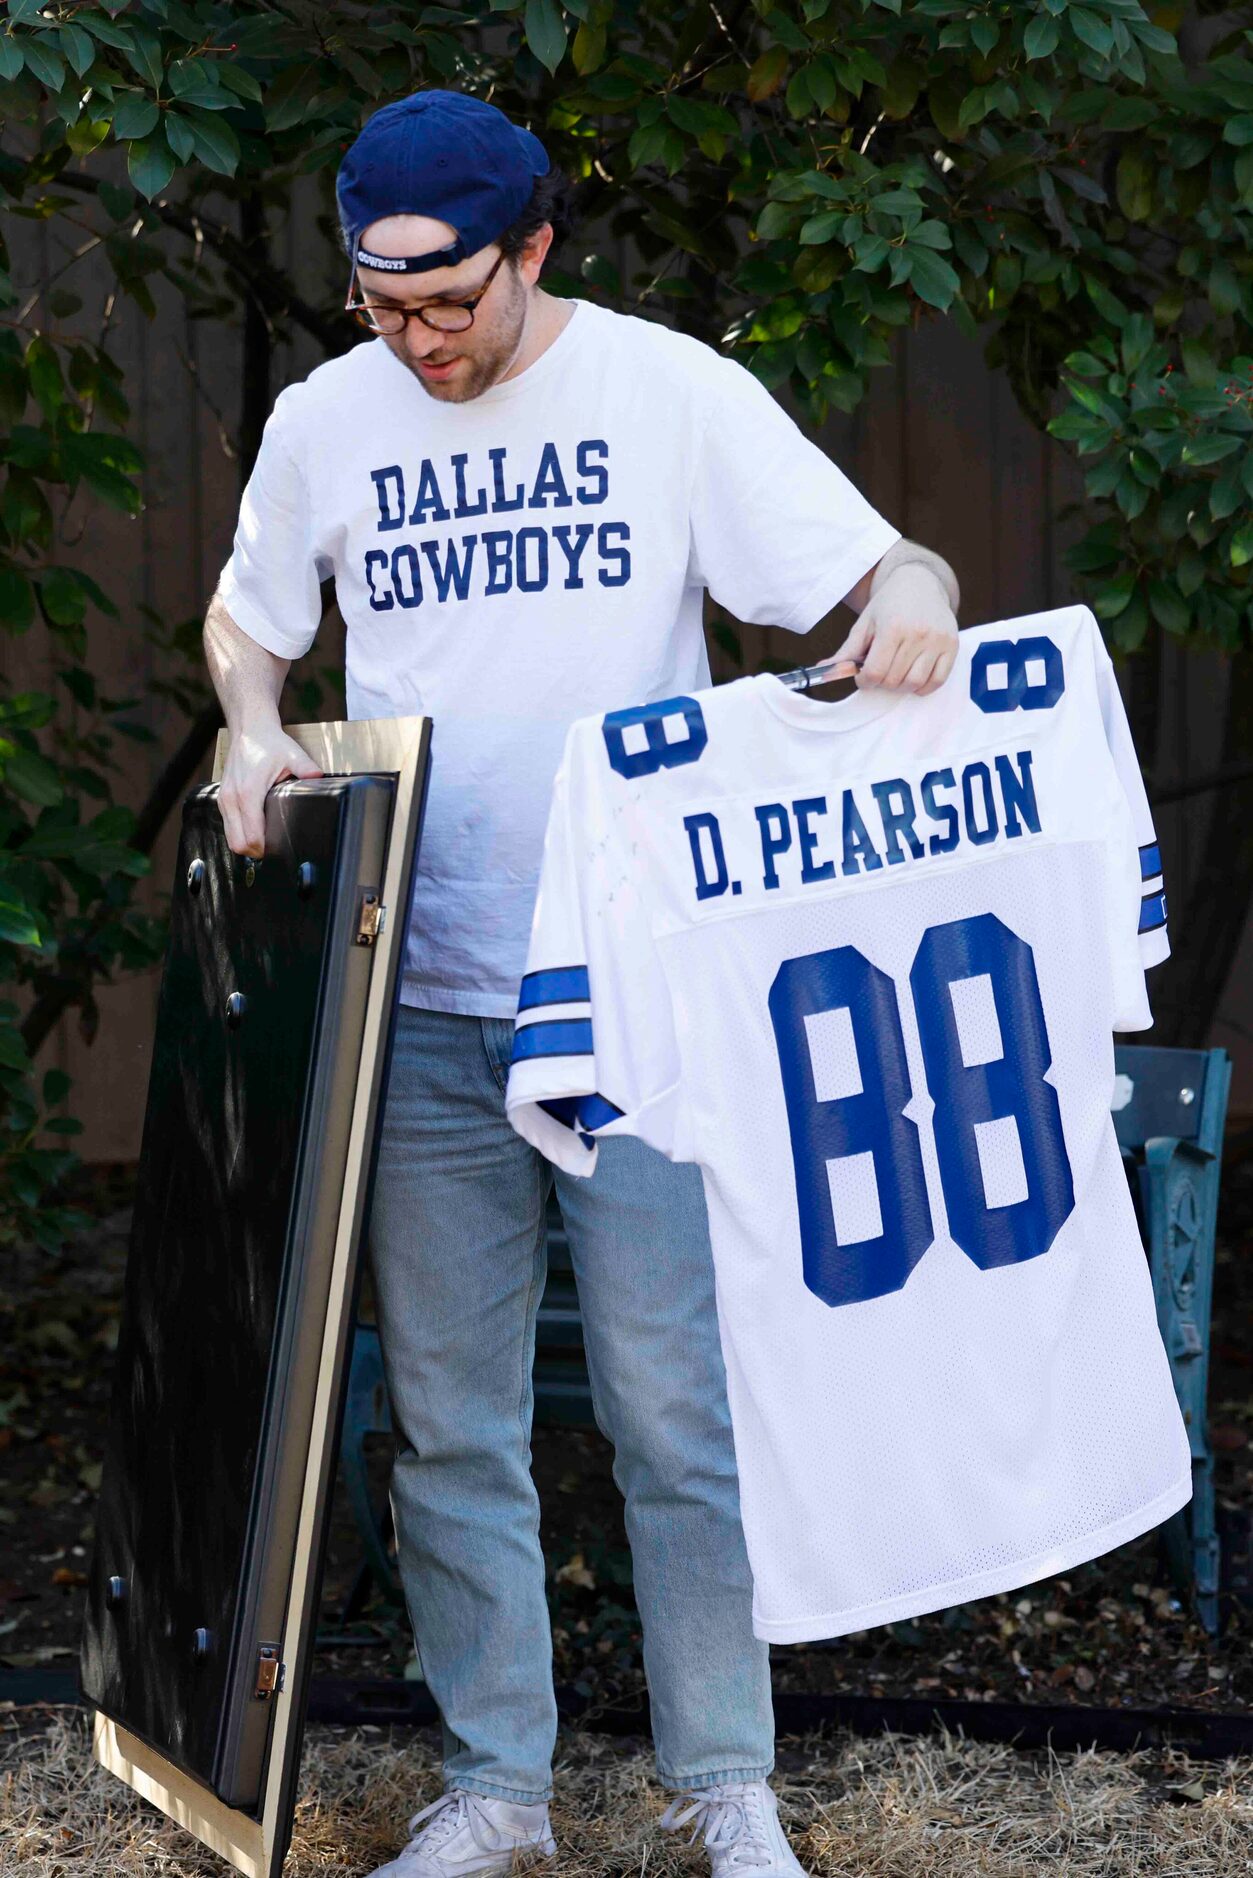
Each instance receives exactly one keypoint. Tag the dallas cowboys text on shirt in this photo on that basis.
(572, 553)
(868, 826)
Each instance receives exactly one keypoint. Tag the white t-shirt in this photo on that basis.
(861, 962)
(519, 560)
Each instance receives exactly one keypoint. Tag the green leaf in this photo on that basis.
(545, 31)
(1211, 447)
(1129, 628)
(180, 136)
(1243, 168)
(777, 218)
(150, 164)
(1224, 288)
(46, 382)
(45, 62)
(985, 34)
(289, 99)
(17, 601)
(1133, 184)
(1112, 598)
(32, 777)
(118, 201)
(1239, 130)
(1091, 400)
(1092, 29)
(13, 1051)
(215, 140)
(136, 116)
(896, 202)
(1107, 304)
(63, 598)
(12, 58)
(242, 83)
(1041, 37)
(56, 1086)
(821, 228)
(78, 46)
(871, 252)
(1137, 338)
(144, 54)
(931, 277)
(1227, 491)
(1168, 606)
(1241, 549)
(102, 28)
(1199, 362)
(766, 74)
(84, 137)
(588, 50)
(798, 97)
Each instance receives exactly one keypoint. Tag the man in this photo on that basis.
(521, 499)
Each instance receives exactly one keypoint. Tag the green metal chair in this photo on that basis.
(1170, 1108)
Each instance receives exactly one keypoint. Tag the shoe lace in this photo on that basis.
(733, 1819)
(449, 1814)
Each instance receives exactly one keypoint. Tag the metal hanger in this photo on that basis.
(805, 677)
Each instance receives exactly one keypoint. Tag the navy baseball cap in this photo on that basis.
(442, 154)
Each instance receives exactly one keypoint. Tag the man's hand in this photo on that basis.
(906, 634)
(256, 760)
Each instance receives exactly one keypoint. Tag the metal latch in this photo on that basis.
(270, 1672)
(372, 919)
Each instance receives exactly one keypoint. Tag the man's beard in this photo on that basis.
(479, 370)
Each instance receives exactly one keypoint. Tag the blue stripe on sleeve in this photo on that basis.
(560, 1037)
(1150, 861)
(563, 984)
(595, 1111)
(581, 1113)
(1152, 912)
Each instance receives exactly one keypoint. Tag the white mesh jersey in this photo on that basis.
(861, 961)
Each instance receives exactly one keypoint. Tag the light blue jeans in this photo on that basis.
(457, 1242)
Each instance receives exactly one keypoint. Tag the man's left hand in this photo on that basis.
(906, 634)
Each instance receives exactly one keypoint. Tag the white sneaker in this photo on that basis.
(468, 1832)
(742, 1831)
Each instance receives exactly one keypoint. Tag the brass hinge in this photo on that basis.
(372, 919)
(270, 1672)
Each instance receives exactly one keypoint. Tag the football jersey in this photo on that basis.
(861, 961)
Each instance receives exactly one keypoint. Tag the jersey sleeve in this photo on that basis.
(594, 1051)
(779, 534)
(270, 583)
(1139, 937)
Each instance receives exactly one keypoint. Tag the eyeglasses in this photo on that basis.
(443, 316)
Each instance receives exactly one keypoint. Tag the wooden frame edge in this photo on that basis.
(224, 1829)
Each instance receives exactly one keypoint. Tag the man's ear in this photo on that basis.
(534, 253)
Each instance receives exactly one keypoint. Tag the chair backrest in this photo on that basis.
(1166, 1093)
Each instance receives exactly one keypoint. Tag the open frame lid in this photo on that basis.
(255, 1841)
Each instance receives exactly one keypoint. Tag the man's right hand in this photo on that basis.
(255, 761)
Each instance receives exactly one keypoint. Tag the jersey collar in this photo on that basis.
(850, 713)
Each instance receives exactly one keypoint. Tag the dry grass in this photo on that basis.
(889, 1807)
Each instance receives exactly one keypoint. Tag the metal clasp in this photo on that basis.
(372, 920)
(269, 1672)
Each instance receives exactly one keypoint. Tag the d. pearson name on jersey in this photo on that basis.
(803, 841)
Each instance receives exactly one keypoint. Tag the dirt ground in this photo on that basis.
(888, 1807)
(1112, 1632)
